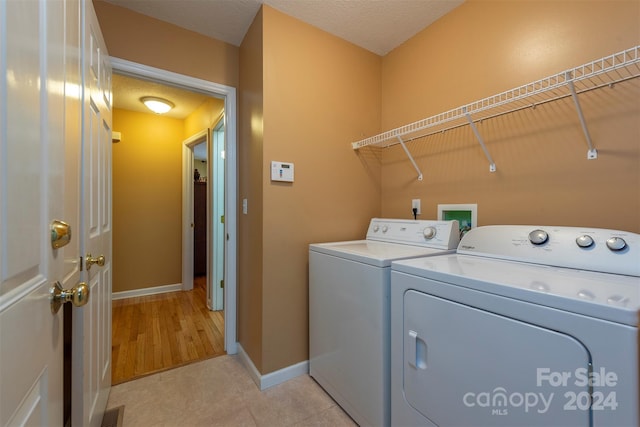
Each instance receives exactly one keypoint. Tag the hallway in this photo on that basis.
(163, 331)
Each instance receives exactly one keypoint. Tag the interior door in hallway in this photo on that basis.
(91, 352)
(215, 294)
(39, 182)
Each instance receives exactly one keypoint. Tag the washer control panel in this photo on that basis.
(594, 249)
(436, 234)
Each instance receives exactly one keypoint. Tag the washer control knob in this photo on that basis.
(385, 228)
(429, 232)
(538, 237)
(616, 243)
(584, 241)
(376, 228)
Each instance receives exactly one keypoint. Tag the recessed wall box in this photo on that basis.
(281, 171)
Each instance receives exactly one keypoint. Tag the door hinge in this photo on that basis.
(222, 219)
(222, 284)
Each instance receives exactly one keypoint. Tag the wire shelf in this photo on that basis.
(606, 71)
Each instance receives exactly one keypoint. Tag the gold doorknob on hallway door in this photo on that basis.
(90, 261)
(78, 295)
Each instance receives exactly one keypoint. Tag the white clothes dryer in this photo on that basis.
(349, 307)
(523, 326)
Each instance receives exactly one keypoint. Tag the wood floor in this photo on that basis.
(158, 332)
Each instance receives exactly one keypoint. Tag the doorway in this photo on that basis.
(203, 212)
(228, 136)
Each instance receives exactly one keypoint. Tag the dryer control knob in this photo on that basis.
(429, 232)
(616, 243)
(618, 300)
(385, 228)
(538, 237)
(584, 241)
(376, 228)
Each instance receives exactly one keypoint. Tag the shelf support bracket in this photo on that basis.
(413, 162)
(592, 153)
(492, 165)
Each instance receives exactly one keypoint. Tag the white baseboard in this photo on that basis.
(146, 291)
(273, 378)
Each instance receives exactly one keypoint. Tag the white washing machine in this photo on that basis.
(523, 326)
(349, 353)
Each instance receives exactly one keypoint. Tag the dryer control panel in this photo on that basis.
(433, 234)
(593, 249)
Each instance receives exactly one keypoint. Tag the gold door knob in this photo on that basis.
(90, 261)
(60, 234)
(78, 295)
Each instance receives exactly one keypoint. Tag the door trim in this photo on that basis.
(187, 206)
(227, 93)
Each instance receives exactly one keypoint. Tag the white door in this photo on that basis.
(39, 182)
(41, 114)
(91, 353)
(216, 293)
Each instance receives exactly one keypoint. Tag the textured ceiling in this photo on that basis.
(127, 92)
(376, 25)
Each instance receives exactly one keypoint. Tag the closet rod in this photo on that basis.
(610, 68)
(524, 107)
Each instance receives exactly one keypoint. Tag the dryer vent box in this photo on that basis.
(281, 171)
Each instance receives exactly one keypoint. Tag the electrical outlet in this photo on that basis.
(415, 204)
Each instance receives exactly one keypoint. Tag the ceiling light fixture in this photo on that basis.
(157, 105)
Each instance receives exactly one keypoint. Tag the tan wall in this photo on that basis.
(147, 194)
(139, 38)
(205, 116)
(305, 95)
(250, 245)
(319, 93)
(151, 42)
(543, 176)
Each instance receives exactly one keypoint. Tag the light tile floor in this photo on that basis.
(220, 392)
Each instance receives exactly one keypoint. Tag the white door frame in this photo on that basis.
(227, 93)
(187, 206)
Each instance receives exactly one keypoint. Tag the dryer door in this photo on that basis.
(468, 367)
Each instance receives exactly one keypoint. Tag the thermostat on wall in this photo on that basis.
(281, 171)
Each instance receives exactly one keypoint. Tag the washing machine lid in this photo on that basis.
(604, 296)
(379, 254)
(393, 239)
